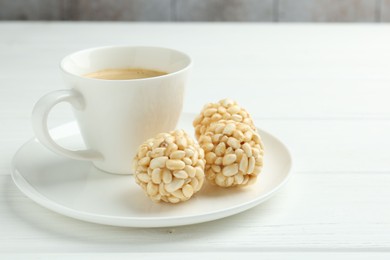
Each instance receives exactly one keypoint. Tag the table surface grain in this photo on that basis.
(322, 89)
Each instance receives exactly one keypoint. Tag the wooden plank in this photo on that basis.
(316, 145)
(122, 10)
(327, 11)
(207, 255)
(334, 145)
(314, 212)
(385, 11)
(298, 71)
(224, 10)
(31, 10)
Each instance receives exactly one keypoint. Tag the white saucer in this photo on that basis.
(79, 190)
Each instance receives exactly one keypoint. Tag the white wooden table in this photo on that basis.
(323, 89)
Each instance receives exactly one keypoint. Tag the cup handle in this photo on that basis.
(39, 123)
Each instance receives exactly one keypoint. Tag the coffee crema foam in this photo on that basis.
(125, 74)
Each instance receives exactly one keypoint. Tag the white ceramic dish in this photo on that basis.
(79, 190)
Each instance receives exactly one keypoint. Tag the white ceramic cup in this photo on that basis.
(116, 116)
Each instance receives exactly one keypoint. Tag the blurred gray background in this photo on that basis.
(198, 10)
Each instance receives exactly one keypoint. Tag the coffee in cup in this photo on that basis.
(124, 74)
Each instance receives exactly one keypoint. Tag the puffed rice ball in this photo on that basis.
(233, 152)
(170, 167)
(225, 109)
